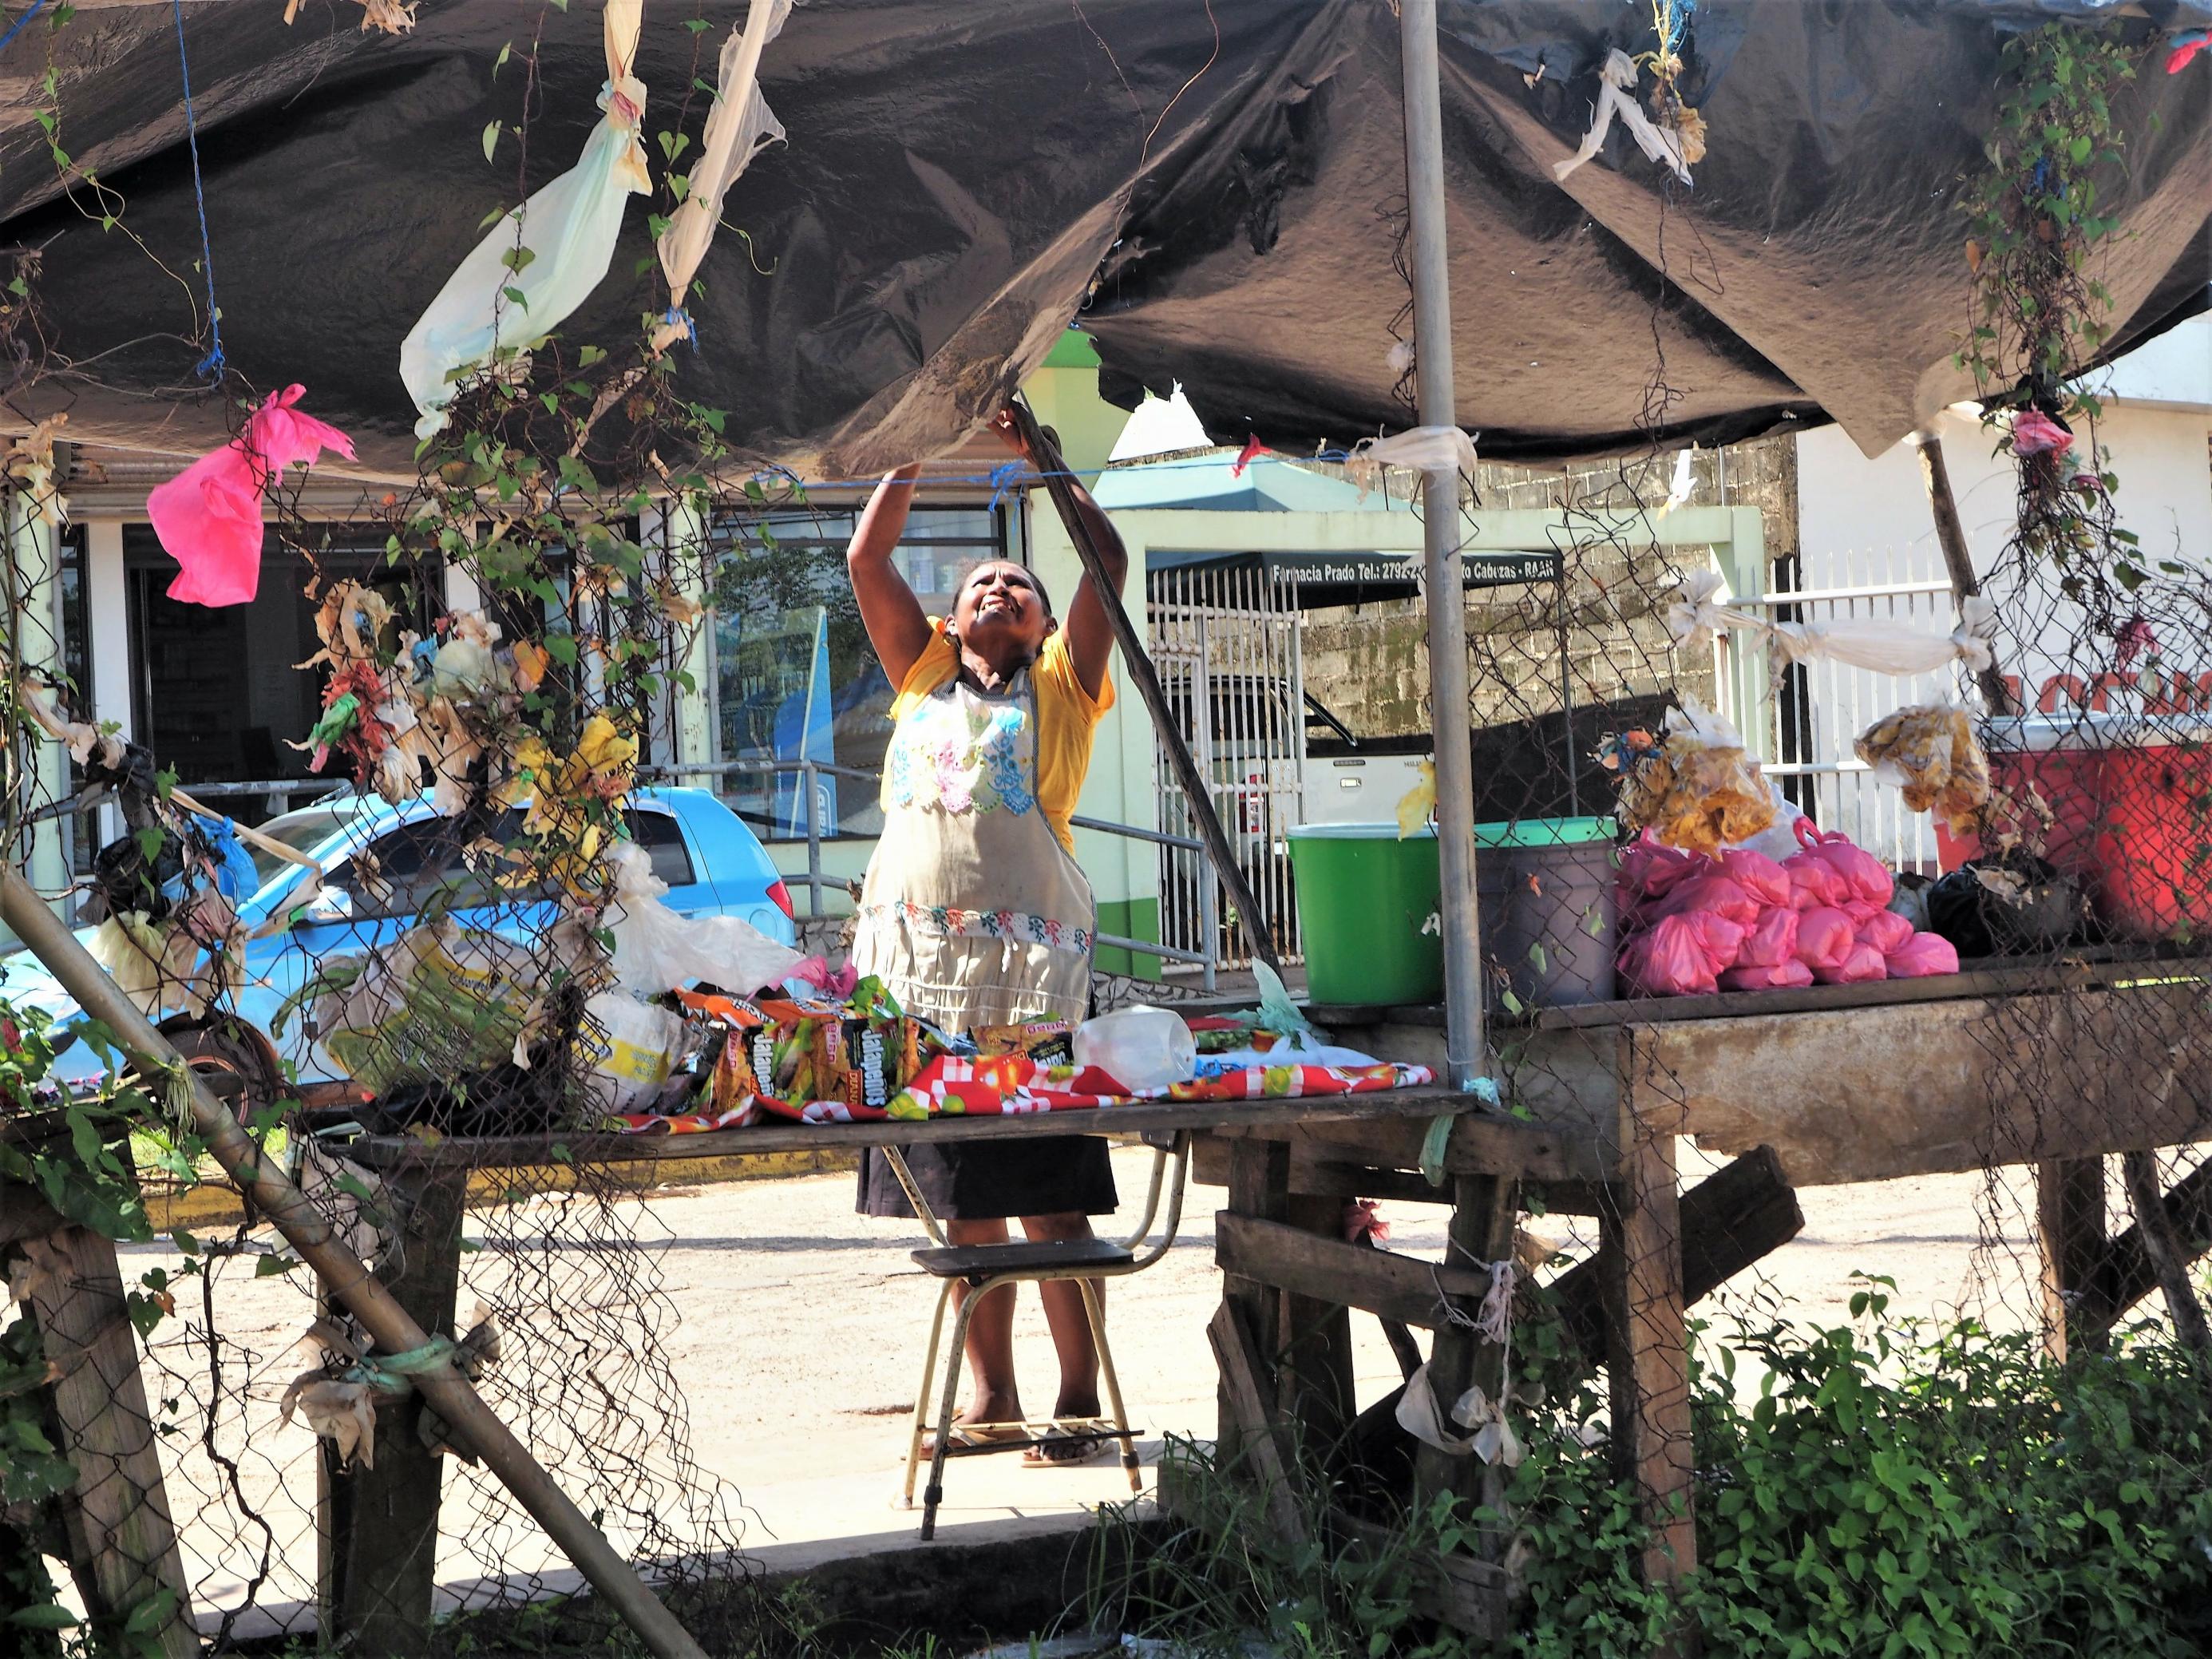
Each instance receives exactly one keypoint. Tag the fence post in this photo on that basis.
(1209, 922)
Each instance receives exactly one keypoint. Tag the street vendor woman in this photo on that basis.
(974, 913)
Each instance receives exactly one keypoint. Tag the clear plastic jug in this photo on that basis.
(1139, 1048)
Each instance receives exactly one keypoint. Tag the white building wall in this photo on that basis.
(1863, 522)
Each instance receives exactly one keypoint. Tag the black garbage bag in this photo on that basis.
(506, 1101)
(2008, 906)
(124, 878)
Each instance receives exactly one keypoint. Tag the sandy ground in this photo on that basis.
(793, 1331)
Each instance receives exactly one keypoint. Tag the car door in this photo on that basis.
(659, 834)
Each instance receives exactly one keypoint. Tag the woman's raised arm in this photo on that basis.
(890, 611)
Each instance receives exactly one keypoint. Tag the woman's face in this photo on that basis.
(1001, 614)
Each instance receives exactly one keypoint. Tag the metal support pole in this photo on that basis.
(1464, 1047)
(811, 777)
(348, 1279)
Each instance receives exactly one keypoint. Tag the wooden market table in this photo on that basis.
(2051, 1064)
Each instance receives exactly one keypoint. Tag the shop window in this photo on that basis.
(795, 677)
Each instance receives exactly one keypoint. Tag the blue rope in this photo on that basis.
(1002, 479)
(211, 366)
(17, 27)
(683, 319)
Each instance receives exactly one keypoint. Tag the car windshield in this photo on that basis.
(302, 831)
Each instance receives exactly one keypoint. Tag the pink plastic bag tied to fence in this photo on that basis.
(209, 516)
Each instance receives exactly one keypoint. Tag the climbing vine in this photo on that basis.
(2036, 228)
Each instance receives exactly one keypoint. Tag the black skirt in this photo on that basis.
(995, 1180)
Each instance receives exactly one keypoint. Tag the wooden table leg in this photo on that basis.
(1259, 1185)
(2069, 1214)
(2169, 1257)
(1483, 1211)
(1317, 1337)
(382, 1523)
(122, 1543)
(1649, 1353)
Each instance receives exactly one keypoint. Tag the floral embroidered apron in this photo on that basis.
(973, 913)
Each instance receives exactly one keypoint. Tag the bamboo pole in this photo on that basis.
(347, 1276)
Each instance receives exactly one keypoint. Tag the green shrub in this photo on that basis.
(1890, 1488)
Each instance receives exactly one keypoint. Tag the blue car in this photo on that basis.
(711, 862)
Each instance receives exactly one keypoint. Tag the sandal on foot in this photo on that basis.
(1059, 1450)
(972, 1437)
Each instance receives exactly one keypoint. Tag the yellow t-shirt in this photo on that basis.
(1068, 717)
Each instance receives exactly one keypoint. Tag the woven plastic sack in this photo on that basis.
(1860, 965)
(1782, 976)
(1682, 956)
(1860, 873)
(1922, 957)
(1771, 940)
(1759, 875)
(1715, 895)
(1825, 939)
(1885, 930)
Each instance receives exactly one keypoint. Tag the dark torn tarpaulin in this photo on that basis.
(1215, 193)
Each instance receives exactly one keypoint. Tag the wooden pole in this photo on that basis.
(388, 1323)
(1957, 560)
(1139, 663)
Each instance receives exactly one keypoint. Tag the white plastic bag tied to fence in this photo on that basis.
(739, 128)
(567, 230)
(1868, 642)
(1419, 449)
(1616, 95)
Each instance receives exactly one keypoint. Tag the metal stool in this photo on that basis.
(985, 1268)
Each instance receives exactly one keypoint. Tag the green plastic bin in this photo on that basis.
(1364, 897)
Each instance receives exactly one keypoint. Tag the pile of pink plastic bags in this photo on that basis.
(1743, 923)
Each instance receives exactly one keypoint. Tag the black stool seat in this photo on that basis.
(987, 1260)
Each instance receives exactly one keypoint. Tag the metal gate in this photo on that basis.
(1805, 732)
(1225, 642)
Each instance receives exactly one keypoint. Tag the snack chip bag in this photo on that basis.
(1931, 753)
(796, 1050)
